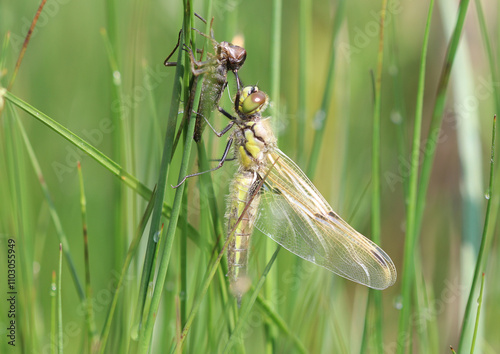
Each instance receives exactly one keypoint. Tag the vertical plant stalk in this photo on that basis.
(3, 59)
(128, 259)
(123, 147)
(60, 345)
(478, 315)
(280, 323)
(25, 44)
(491, 57)
(376, 194)
(485, 246)
(305, 9)
(53, 314)
(320, 118)
(212, 269)
(52, 210)
(166, 248)
(437, 115)
(94, 153)
(183, 259)
(408, 276)
(89, 313)
(148, 268)
(271, 285)
(245, 311)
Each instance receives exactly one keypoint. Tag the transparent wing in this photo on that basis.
(294, 214)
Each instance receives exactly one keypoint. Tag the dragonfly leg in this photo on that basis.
(173, 63)
(221, 163)
(226, 128)
(199, 67)
(223, 131)
(239, 85)
(225, 113)
(211, 38)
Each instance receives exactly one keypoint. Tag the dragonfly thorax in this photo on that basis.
(254, 140)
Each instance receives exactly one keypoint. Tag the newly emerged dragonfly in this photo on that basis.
(227, 57)
(288, 208)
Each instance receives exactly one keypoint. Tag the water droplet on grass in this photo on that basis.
(398, 302)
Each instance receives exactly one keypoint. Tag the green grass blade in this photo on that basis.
(408, 275)
(305, 15)
(484, 250)
(280, 323)
(60, 335)
(437, 115)
(53, 212)
(148, 269)
(398, 115)
(53, 313)
(489, 52)
(96, 154)
(376, 187)
(3, 60)
(18, 223)
(271, 287)
(146, 335)
(89, 308)
(478, 314)
(128, 259)
(321, 116)
(245, 310)
(123, 147)
(376, 133)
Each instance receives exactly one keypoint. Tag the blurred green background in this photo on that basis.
(66, 74)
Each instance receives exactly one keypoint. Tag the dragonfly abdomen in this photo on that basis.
(241, 192)
(211, 92)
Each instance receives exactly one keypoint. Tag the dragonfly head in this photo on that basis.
(235, 55)
(251, 101)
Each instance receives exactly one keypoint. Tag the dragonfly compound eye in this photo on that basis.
(254, 103)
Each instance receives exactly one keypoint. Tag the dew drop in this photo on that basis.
(319, 119)
(117, 78)
(398, 302)
(396, 117)
(487, 196)
(393, 70)
(156, 236)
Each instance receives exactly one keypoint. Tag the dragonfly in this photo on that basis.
(287, 208)
(227, 57)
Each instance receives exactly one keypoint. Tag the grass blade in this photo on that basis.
(53, 212)
(321, 116)
(60, 335)
(96, 154)
(90, 318)
(376, 174)
(484, 249)
(437, 115)
(408, 276)
(128, 259)
(146, 335)
(305, 14)
(53, 313)
(478, 314)
(245, 311)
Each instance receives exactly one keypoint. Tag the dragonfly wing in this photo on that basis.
(294, 214)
